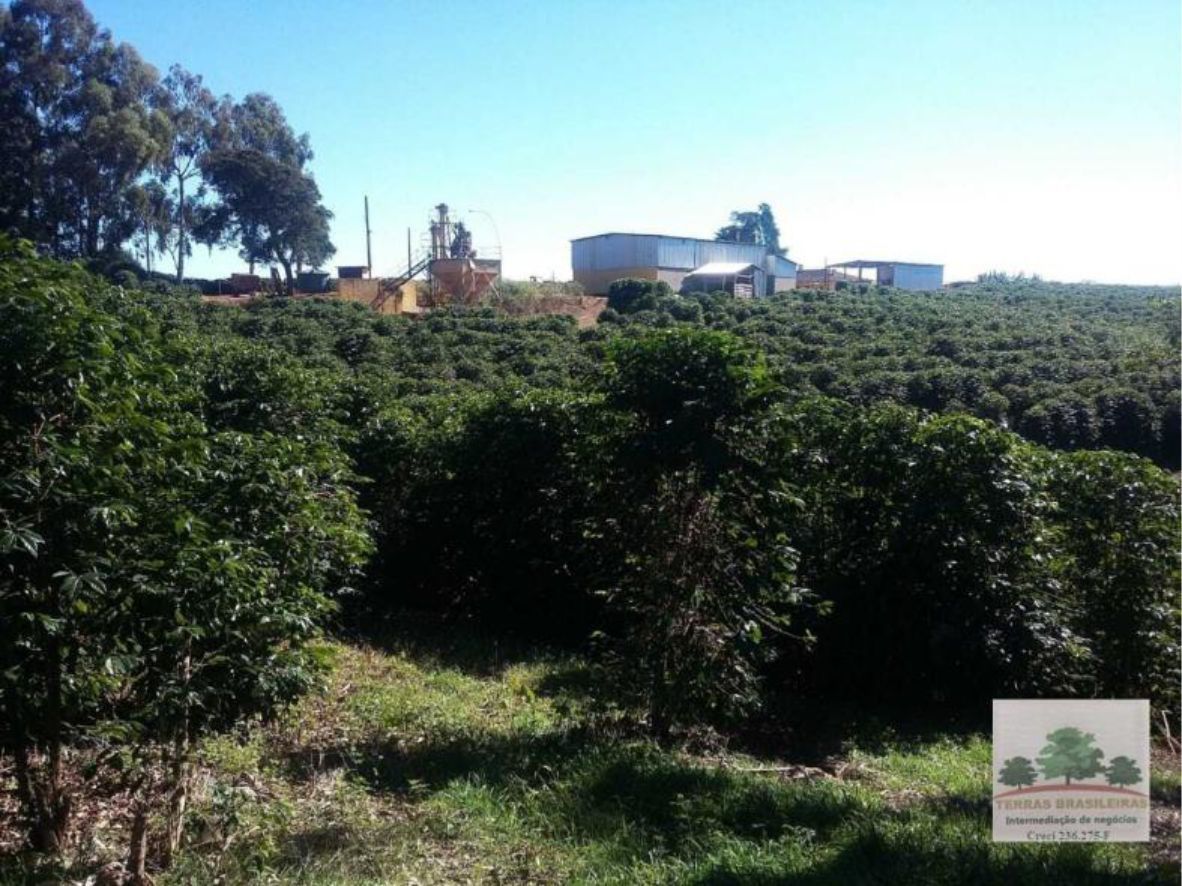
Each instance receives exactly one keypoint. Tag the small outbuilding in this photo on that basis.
(899, 274)
(312, 281)
(740, 279)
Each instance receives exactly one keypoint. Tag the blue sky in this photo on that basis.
(1033, 136)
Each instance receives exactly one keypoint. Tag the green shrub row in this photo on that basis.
(729, 546)
(1068, 366)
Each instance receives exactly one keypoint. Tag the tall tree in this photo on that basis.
(253, 150)
(154, 211)
(753, 227)
(744, 228)
(258, 123)
(769, 230)
(271, 208)
(191, 112)
(81, 130)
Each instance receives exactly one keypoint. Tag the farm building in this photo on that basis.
(900, 274)
(737, 278)
(599, 260)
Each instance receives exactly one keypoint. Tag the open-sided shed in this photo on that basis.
(741, 279)
(900, 274)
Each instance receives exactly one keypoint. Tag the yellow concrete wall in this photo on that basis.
(409, 302)
(360, 289)
(365, 291)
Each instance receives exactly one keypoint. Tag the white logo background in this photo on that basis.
(1020, 729)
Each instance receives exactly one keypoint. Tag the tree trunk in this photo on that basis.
(178, 796)
(180, 227)
(92, 231)
(287, 276)
(137, 852)
(50, 801)
(179, 765)
(45, 804)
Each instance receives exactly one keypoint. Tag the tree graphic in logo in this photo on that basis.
(1070, 754)
(1017, 772)
(1122, 771)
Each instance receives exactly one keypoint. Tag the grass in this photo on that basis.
(412, 769)
(444, 767)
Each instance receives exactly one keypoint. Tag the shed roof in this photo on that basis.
(721, 269)
(868, 263)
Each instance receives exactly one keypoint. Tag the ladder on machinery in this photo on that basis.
(388, 287)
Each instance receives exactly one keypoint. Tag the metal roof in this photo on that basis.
(662, 237)
(866, 263)
(631, 234)
(721, 269)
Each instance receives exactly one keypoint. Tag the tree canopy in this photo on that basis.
(79, 128)
(98, 152)
(753, 227)
(272, 208)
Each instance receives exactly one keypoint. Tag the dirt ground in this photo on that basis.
(584, 308)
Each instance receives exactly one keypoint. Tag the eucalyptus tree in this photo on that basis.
(79, 128)
(258, 123)
(267, 203)
(191, 113)
(272, 209)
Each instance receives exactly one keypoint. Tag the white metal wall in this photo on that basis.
(613, 251)
(922, 277)
(649, 250)
(670, 258)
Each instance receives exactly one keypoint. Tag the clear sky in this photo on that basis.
(1034, 136)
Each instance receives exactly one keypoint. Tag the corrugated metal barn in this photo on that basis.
(598, 261)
